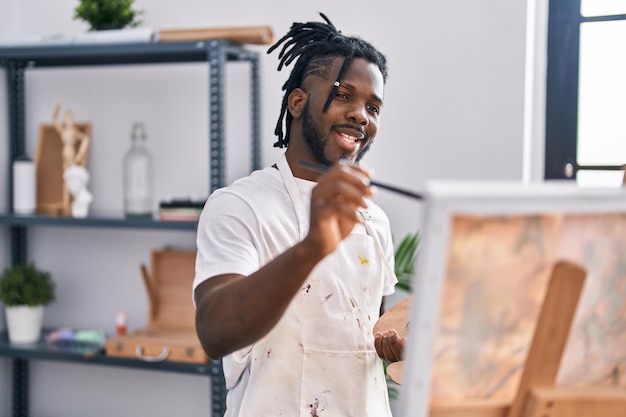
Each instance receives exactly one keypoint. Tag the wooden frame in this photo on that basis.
(53, 198)
(543, 364)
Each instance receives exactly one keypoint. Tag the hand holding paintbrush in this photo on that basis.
(323, 168)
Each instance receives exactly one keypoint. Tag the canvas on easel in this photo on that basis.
(53, 197)
(488, 255)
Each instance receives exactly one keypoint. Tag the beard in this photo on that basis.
(314, 138)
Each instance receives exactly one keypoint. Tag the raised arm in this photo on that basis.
(81, 154)
(55, 116)
(234, 311)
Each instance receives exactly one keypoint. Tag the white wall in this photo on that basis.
(454, 109)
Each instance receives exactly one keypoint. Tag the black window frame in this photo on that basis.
(563, 53)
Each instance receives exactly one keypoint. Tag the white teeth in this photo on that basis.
(349, 138)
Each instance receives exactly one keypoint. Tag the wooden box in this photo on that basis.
(170, 334)
(53, 197)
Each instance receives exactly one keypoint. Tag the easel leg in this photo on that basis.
(555, 320)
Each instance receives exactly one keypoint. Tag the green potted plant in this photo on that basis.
(25, 290)
(107, 14)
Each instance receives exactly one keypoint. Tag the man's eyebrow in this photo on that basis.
(351, 87)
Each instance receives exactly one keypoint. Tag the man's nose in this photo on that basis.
(358, 115)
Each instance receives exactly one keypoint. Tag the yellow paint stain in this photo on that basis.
(364, 261)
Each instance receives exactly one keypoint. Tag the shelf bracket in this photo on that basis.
(20, 388)
(218, 390)
(217, 60)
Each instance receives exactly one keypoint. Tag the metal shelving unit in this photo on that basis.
(41, 351)
(18, 60)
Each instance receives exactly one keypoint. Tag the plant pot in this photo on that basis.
(107, 26)
(24, 323)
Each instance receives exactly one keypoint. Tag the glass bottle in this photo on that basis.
(138, 176)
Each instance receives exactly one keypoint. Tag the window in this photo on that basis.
(586, 91)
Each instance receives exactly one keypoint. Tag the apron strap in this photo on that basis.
(294, 194)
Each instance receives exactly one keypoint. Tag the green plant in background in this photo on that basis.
(25, 285)
(107, 14)
(405, 256)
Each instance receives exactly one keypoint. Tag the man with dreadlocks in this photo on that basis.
(292, 265)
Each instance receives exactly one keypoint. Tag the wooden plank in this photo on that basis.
(470, 408)
(260, 35)
(555, 319)
(579, 402)
(172, 273)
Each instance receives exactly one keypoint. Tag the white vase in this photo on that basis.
(24, 323)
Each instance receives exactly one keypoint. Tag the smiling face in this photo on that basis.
(350, 123)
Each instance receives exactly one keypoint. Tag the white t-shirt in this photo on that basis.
(243, 227)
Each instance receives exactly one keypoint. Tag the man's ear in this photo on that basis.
(296, 101)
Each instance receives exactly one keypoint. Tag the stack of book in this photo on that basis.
(181, 209)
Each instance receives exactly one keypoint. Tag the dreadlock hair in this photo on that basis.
(313, 40)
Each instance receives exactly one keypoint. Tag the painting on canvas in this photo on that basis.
(482, 273)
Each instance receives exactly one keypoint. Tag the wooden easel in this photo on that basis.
(537, 395)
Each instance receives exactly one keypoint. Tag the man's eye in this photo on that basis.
(374, 109)
(342, 96)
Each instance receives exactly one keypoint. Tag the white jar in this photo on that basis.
(24, 186)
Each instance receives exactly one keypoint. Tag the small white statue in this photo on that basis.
(76, 178)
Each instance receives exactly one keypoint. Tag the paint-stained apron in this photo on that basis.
(319, 360)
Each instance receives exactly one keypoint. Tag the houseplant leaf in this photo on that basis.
(26, 285)
(405, 256)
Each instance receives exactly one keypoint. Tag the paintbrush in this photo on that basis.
(323, 168)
